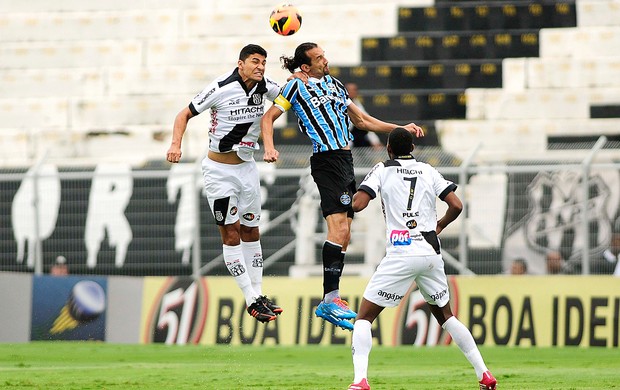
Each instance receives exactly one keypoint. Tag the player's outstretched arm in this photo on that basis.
(365, 121)
(266, 129)
(454, 209)
(180, 125)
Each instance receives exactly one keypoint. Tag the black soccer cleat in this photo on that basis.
(261, 312)
(277, 310)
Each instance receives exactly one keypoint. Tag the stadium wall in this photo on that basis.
(522, 311)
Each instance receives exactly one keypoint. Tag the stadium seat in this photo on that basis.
(581, 42)
(79, 5)
(598, 13)
(119, 111)
(47, 82)
(79, 54)
(212, 50)
(563, 72)
(376, 18)
(513, 139)
(245, 4)
(507, 15)
(530, 104)
(434, 45)
(34, 113)
(414, 105)
(65, 26)
(500, 139)
(162, 80)
(446, 74)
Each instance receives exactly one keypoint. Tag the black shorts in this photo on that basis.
(333, 174)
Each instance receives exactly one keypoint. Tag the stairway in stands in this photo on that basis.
(420, 75)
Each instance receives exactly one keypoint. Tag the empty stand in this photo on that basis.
(448, 74)
(64, 26)
(598, 13)
(505, 15)
(411, 104)
(450, 46)
(78, 54)
(562, 72)
(582, 42)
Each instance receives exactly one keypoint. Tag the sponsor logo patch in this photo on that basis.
(249, 216)
(389, 296)
(411, 224)
(233, 210)
(400, 237)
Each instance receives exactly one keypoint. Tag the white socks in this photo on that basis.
(361, 343)
(465, 341)
(253, 255)
(233, 257)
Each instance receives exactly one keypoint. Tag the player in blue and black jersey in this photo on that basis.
(325, 112)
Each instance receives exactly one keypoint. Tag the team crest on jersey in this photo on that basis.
(257, 98)
(345, 199)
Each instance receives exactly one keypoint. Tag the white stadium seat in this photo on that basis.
(64, 26)
(79, 54)
(373, 19)
(600, 72)
(580, 42)
(27, 113)
(511, 138)
(80, 5)
(598, 13)
(48, 82)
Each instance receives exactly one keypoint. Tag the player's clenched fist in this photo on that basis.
(271, 156)
(174, 154)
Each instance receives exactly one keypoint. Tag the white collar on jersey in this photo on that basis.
(315, 80)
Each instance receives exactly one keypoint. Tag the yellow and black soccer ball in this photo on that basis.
(285, 19)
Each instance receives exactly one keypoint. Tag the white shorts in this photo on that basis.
(233, 192)
(395, 275)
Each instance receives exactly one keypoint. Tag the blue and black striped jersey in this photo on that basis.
(321, 110)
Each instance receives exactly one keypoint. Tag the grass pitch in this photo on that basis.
(91, 365)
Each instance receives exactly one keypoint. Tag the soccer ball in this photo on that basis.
(285, 19)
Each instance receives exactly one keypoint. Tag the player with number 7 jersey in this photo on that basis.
(410, 188)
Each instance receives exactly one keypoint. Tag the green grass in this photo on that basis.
(91, 365)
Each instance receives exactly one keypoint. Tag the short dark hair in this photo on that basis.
(400, 141)
(300, 57)
(250, 49)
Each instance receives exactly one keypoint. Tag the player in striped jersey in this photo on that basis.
(324, 112)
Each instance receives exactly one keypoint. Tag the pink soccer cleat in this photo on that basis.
(488, 382)
(363, 385)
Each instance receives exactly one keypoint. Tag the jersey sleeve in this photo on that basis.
(205, 99)
(288, 95)
(273, 89)
(441, 186)
(372, 182)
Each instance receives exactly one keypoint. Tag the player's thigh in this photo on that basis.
(390, 282)
(250, 199)
(222, 189)
(433, 282)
